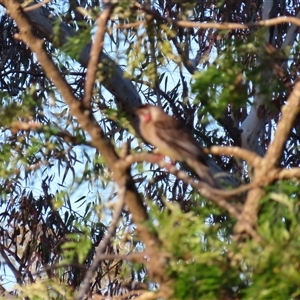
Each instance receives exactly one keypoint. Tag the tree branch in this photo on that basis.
(250, 157)
(125, 92)
(214, 195)
(270, 162)
(289, 112)
(212, 25)
(157, 261)
(95, 53)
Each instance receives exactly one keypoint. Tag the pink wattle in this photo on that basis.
(147, 118)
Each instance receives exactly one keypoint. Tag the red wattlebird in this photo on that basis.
(173, 139)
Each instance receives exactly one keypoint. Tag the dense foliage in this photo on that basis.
(85, 212)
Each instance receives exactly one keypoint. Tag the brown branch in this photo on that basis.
(269, 163)
(213, 195)
(131, 25)
(289, 174)
(289, 112)
(232, 26)
(85, 117)
(138, 257)
(32, 6)
(95, 53)
(250, 157)
(278, 20)
(55, 131)
(211, 25)
(24, 126)
(157, 262)
(203, 188)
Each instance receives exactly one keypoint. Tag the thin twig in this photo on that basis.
(231, 26)
(211, 25)
(103, 244)
(31, 6)
(55, 131)
(131, 25)
(95, 53)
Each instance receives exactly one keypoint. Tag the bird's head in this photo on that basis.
(147, 113)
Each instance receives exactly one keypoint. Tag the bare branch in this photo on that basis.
(230, 26)
(203, 188)
(96, 52)
(270, 162)
(208, 25)
(33, 6)
(289, 174)
(289, 113)
(213, 195)
(250, 157)
(17, 126)
(103, 244)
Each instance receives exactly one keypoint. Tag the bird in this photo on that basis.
(172, 138)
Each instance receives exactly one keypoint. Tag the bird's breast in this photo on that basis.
(150, 135)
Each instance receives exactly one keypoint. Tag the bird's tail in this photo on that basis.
(203, 173)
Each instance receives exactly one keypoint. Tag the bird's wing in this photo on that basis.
(175, 133)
